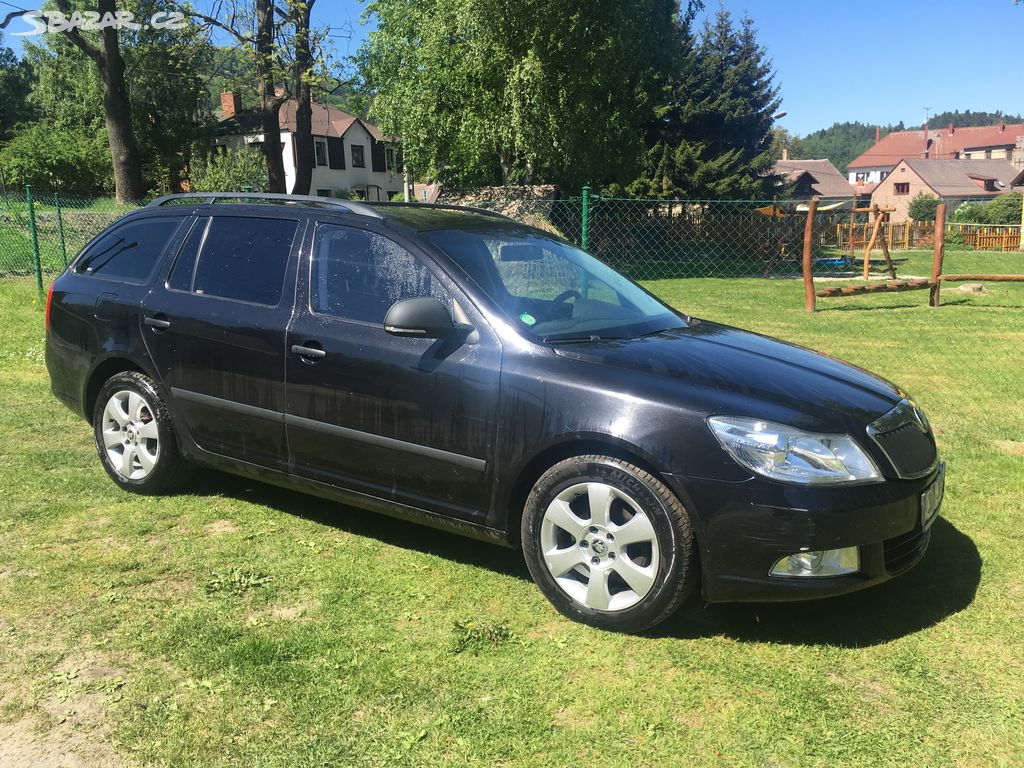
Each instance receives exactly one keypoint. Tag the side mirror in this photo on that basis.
(426, 318)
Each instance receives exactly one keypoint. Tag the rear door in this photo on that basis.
(407, 419)
(215, 329)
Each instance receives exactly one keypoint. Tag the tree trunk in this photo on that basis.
(305, 156)
(270, 101)
(124, 152)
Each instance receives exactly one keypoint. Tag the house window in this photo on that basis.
(990, 185)
(901, 188)
(1009, 154)
(323, 193)
(320, 149)
(861, 176)
(358, 161)
(884, 174)
(389, 157)
(988, 154)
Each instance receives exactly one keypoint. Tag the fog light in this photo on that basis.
(818, 562)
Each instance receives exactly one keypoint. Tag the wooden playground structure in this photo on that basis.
(893, 285)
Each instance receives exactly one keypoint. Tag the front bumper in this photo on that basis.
(743, 528)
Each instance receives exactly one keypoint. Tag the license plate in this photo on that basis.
(931, 499)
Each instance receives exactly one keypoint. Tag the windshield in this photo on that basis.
(551, 290)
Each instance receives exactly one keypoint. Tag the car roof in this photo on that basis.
(416, 216)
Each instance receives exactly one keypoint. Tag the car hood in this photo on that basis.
(750, 370)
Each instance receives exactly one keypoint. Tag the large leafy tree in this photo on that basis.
(15, 85)
(484, 91)
(712, 134)
(168, 117)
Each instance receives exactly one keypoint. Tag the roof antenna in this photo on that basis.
(927, 116)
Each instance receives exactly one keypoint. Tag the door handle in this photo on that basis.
(310, 354)
(157, 323)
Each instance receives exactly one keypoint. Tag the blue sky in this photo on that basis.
(874, 61)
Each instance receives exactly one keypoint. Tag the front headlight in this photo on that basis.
(792, 455)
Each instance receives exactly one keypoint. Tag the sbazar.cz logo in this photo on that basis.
(92, 21)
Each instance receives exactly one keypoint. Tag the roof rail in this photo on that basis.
(445, 207)
(350, 206)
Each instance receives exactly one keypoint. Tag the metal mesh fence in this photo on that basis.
(644, 239)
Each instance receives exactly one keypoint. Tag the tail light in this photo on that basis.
(49, 302)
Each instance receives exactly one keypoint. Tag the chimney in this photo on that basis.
(878, 134)
(951, 129)
(1002, 126)
(785, 154)
(230, 103)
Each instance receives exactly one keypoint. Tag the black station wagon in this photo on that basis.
(454, 367)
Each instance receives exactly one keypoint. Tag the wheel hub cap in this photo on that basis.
(600, 547)
(130, 435)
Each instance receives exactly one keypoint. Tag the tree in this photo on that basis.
(106, 55)
(922, 207)
(16, 78)
(54, 159)
(784, 140)
(302, 74)
(517, 91)
(967, 119)
(1003, 209)
(169, 119)
(712, 137)
(233, 171)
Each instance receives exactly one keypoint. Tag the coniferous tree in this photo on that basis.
(713, 136)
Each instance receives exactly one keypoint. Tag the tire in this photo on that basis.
(626, 568)
(130, 420)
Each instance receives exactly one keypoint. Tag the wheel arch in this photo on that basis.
(579, 445)
(100, 374)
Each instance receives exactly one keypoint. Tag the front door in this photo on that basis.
(406, 419)
(215, 329)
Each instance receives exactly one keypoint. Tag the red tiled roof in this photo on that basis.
(826, 180)
(945, 143)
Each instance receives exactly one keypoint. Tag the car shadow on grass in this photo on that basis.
(359, 522)
(942, 584)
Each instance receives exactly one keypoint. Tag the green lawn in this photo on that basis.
(242, 625)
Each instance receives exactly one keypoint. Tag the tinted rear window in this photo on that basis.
(244, 258)
(129, 252)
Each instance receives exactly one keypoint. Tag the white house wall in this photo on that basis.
(324, 177)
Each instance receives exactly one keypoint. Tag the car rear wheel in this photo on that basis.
(135, 437)
(608, 543)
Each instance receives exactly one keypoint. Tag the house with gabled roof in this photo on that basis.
(352, 157)
(984, 142)
(949, 180)
(810, 178)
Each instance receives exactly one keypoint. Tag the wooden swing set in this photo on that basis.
(893, 285)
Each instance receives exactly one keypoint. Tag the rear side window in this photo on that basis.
(359, 275)
(239, 258)
(129, 252)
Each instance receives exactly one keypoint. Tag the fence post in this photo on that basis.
(1022, 222)
(36, 263)
(940, 247)
(585, 221)
(60, 229)
(808, 264)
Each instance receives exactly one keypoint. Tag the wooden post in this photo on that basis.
(906, 235)
(808, 262)
(871, 242)
(940, 247)
(853, 216)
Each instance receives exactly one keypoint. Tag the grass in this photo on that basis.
(242, 625)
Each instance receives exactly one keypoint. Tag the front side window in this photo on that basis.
(901, 188)
(320, 148)
(358, 161)
(360, 275)
(551, 290)
(236, 257)
(129, 252)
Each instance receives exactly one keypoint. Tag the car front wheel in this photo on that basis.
(135, 437)
(608, 543)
